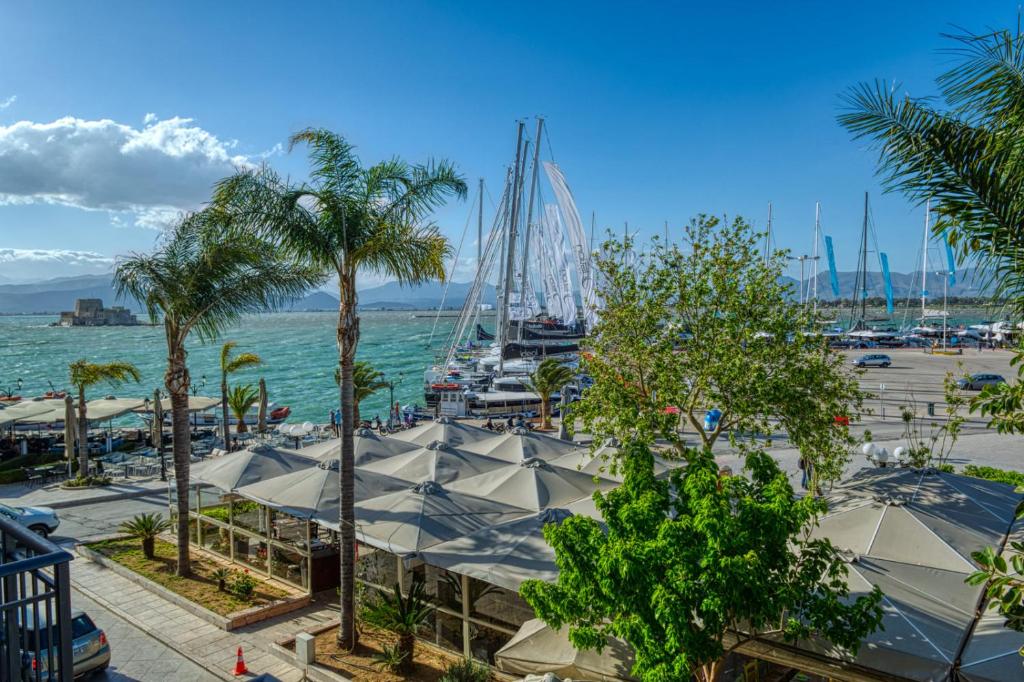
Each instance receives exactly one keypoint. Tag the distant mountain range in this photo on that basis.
(55, 295)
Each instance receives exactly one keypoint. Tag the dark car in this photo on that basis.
(976, 382)
(89, 647)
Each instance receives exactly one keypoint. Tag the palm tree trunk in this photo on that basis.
(348, 338)
(83, 435)
(545, 410)
(177, 382)
(356, 421)
(224, 407)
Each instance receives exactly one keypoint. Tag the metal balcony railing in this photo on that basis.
(35, 607)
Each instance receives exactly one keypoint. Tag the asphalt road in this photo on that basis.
(92, 521)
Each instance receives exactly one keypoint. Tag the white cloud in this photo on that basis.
(155, 172)
(149, 118)
(8, 102)
(27, 265)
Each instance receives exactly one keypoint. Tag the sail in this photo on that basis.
(888, 282)
(558, 264)
(577, 237)
(950, 261)
(833, 278)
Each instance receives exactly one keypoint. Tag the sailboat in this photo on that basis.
(533, 248)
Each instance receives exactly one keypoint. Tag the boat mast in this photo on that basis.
(510, 255)
(529, 218)
(480, 231)
(861, 281)
(924, 262)
(815, 256)
(768, 236)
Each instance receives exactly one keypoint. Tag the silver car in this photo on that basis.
(40, 520)
(89, 647)
(873, 360)
(976, 382)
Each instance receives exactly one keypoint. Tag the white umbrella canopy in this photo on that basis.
(411, 520)
(33, 411)
(102, 409)
(313, 492)
(369, 447)
(537, 649)
(196, 403)
(435, 462)
(255, 463)
(519, 444)
(505, 555)
(446, 430)
(532, 484)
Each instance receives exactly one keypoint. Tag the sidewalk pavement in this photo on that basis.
(203, 643)
(53, 495)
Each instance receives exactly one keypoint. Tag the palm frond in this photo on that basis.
(987, 83)
(85, 374)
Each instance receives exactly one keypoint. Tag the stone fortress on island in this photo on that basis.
(89, 312)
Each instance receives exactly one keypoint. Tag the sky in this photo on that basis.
(116, 117)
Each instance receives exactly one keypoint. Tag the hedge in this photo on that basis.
(1014, 478)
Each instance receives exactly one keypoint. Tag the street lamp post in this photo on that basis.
(391, 402)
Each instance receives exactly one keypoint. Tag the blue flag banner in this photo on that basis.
(888, 282)
(950, 261)
(833, 278)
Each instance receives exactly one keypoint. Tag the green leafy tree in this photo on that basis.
(229, 364)
(146, 527)
(204, 276)
(240, 400)
(349, 219)
(687, 569)
(366, 380)
(549, 377)
(84, 375)
(713, 326)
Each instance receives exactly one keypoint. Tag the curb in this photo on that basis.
(138, 625)
(105, 498)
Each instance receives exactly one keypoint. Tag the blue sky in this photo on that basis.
(655, 111)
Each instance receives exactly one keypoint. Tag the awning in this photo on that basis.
(369, 447)
(255, 463)
(520, 443)
(102, 409)
(435, 462)
(34, 411)
(196, 403)
(446, 430)
(537, 649)
(532, 484)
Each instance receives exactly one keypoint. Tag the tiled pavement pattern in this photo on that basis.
(134, 654)
(202, 643)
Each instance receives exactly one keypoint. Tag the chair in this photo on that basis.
(33, 477)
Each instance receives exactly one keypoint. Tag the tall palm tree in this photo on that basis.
(241, 399)
(366, 380)
(229, 364)
(550, 376)
(349, 218)
(203, 276)
(967, 158)
(85, 374)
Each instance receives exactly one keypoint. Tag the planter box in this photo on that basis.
(229, 622)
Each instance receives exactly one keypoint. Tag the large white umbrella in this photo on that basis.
(446, 430)
(519, 444)
(102, 409)
(255, 463)
(369, 447)
(537, 649)
(33, 411)
(532, 484)
(411, 520)
(313, 492)
(435, 462)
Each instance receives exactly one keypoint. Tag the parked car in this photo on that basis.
(90, 650)
(41, 520)
(873, 360)
(976, 382)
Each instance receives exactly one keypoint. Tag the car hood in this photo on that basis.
(39, 511)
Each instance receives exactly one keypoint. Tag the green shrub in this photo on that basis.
(219, 512)
(221, 574)
(12, 476)
(946, 468)
(85, 481)
(243, 585)
(466, 670)
(391, 658)
(1014, 478)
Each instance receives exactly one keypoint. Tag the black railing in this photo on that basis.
(35, 607)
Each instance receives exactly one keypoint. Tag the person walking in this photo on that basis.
(337, 423)
(330, 424)
(806, 469)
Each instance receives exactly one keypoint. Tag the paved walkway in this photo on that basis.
(53, 495)
(202, 643)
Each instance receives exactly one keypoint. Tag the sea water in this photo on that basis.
(299, 352)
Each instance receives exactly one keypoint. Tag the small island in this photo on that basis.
(89, 312)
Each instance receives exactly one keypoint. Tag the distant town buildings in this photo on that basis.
(89, 312)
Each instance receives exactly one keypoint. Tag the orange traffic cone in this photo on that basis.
(240, 668)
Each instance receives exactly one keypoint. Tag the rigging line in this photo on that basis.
(551, 152)
(448, 283)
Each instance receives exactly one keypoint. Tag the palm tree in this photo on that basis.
(146, 527)
(366, 380)
(204, 275)
(229, 365)
(967, 159)
(550, 376)
(85, 374)
(240, 400)
(348, 219)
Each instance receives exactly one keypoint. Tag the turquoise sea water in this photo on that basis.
(298, 350)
